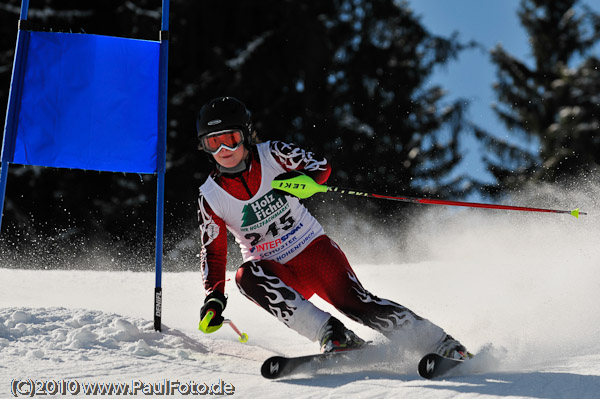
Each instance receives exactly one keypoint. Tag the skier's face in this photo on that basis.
(229, 159)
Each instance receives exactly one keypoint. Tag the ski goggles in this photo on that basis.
(215, 142)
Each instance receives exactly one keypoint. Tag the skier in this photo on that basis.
(287, 256)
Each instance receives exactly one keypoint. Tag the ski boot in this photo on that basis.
(335, 337)
(452, 349)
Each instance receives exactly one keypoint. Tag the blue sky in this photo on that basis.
(489, 22)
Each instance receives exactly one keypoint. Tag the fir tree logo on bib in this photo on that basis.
(263, 210)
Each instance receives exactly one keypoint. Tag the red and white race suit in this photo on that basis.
(287, 256)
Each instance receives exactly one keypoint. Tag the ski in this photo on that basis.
(281, 366)
(430, 366)
(433, 365)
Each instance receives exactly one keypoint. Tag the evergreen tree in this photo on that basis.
(552, 103)
(386, 116)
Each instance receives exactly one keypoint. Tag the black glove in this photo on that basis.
(216, 302)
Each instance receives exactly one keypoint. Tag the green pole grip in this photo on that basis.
(300, 186)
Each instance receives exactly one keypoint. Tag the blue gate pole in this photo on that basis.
(12, 111)
(161, 155)
(3, 178)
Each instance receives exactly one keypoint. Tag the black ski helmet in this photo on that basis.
(224, 113)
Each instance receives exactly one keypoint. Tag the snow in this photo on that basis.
(521, 289)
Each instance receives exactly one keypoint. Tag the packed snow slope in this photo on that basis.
(521, 289)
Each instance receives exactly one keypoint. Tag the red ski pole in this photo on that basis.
(303, 186)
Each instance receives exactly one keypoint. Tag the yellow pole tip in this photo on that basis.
(575, 212)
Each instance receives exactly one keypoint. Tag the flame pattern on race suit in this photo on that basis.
(257, 282)
(292, 157)
(278, 298)
(389, 316)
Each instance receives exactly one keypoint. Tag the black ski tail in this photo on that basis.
(433, 365)
(280, 366)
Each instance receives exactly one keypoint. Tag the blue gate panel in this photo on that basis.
(88, 102)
